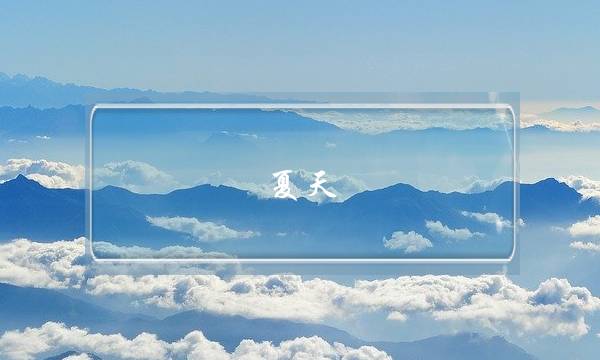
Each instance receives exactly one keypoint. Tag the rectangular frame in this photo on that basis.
(300, 105)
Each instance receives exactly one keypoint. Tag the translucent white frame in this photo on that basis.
(300, 106)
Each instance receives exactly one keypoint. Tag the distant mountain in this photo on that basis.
(30, 121)
(21, 307)
(72, 120)
(583, 114)
(22, 91)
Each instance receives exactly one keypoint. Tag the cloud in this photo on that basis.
(410, 242)
(588, 188)
(204, 231)
(490, 218)
(555, 308)
(588, 227)
(530, 120)
(43, 137)
(436, 227)
(53, 265)
(477, 185)
(78, 357)
(585, 246)
(52, 338)
(378, 121)
(135, 176)
(110, 251)
(50, 174)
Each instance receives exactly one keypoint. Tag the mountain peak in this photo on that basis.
(21, 182)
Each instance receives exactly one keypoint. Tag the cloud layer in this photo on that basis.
(107, 250)
(203, 231)
(379, 121)
(53, 265)
(52, 338)
(51, 174)
(554, 308)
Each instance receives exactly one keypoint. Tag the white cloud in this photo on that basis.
(530, 120)
(51, 174)
(436, 227)
(43, 137)
(410, 242)
(53, 265)
(490, 218)
(377, 121)
(52, 337)
(477, 185)
(135, 176)
(112, 251)
(78, 357)
(555, 308)
(586, 246)
(588, 227)
(588, 188)
(204, 231)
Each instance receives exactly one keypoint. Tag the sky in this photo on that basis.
(538, 48)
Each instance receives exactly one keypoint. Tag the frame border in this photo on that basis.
(299, 106)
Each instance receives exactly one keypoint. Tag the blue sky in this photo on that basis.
(543, 50)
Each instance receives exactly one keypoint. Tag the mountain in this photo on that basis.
(463, 346)
(65, 121)
(583, 114)
(21, 307)
(120, 216)
(22, 91)
(30, 210)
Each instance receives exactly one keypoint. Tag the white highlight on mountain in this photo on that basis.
(437, 227)
(52, 338)
(51, 174)
(204, 231)
(410, 242)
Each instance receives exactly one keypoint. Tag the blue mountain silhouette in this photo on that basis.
(120, 216)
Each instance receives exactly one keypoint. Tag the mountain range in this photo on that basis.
(120, 216)
(22, 91)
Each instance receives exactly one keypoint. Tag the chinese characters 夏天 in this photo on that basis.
(283, 189)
